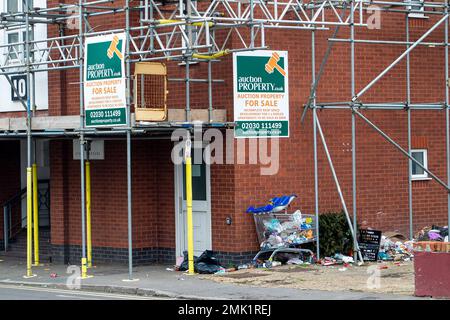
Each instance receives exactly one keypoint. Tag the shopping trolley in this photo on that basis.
(284, 233)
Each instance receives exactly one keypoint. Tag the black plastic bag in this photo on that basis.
(185, 264)
(208, 257)
(204, 268)
(207, 263)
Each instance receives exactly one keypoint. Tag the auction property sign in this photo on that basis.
(104, 81)
(261, 94)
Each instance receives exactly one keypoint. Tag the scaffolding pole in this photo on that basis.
(352, 79)
(129, 173)
(447, 116)
(29, 273)
(408, 102)
(84, 274)
(316, 171)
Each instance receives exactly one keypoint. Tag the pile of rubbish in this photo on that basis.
(433, 233)
(285, 230)
(284, 258)
(395, 247)
(207, 263)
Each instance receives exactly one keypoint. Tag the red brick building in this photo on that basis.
(382, 171)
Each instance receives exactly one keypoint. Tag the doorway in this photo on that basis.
(201, 205)
(40, 149)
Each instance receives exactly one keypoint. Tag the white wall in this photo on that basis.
(6, 104)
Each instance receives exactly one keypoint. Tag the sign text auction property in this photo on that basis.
(261, 94)
(104, 81)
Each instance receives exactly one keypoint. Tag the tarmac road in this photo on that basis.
(14, 292)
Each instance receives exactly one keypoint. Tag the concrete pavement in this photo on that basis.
(156, 281)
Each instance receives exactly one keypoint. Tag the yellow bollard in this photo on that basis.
(84, 269)
(88, 214)
(35, 215)
(29, 221)
(190, 227)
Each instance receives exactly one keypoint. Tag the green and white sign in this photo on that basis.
(104, 81)
(261, 94)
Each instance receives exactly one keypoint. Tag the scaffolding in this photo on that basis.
(203, 31)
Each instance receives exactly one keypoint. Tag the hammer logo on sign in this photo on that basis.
(113, 49)
(272, 64)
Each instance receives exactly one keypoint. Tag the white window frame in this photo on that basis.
(424, 175)
(19, 5)
(21, 46)
(16, 53)
(416, 14)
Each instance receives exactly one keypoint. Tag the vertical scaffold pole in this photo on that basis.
(29, 168)
(447, 116)
(88, 211)
(210, 100)
(188, 51)
(316, 173)
(82, 144)
(408, 101)
(129, 177)
(352, 79)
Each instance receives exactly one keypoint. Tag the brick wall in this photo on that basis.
(153, 201)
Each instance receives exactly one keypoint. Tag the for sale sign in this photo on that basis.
(261, 94)
(104, 81)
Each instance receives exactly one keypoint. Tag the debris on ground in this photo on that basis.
(398, 279)
(295, 261)
(338, 258)
(206, 263)
(393, 249)
(328, 261)
(393, 246)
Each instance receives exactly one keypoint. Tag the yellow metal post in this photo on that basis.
(84, 268)
(88, 214)
(29, 221)
(35, 215)
(190, 229)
